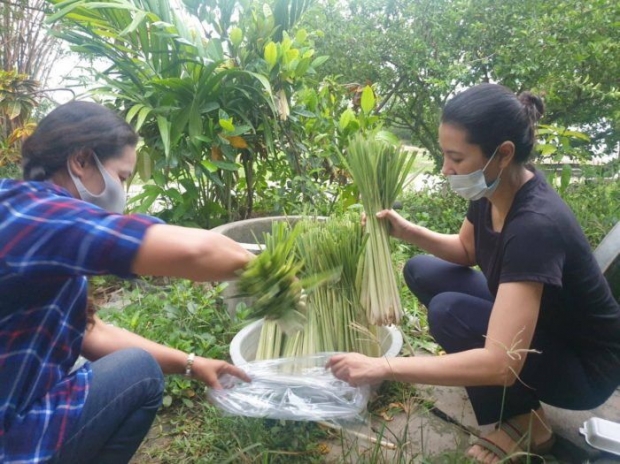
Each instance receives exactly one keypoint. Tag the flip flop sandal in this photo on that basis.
(519, 454)
(523, 441)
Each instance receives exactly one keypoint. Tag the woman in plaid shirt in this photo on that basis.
(61, 224)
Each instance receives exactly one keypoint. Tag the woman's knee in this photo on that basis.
(454, 324)
(415, 271)
(440, 320)
(146, 367)
(129, 367)
(144, 361)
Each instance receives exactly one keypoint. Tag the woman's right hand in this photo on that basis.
(399, 226)
(210, 370)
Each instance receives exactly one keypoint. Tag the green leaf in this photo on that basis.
(145, 165)
(577, 135)
(567, 173)
(214, 50)
(265, 83)
(271, 54)
(345, 118)
(210, 106)
(132, 112)
(204, 138)
(387, 136)
(368, 100)
(318, 61)
(291, 55)
(188, 403)
(302, 67)
(236, 36)
(301, 36)
(547, 149)
(209, 165)
(164, 131)
(144, 112)
(226, 165)
(13, 109)
(137, 20)
(195, 121)
(227, 124)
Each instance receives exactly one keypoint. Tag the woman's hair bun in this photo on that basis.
(36, 173)
(533, 104)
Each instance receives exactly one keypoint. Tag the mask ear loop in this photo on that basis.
(491, 158)
(499, 176)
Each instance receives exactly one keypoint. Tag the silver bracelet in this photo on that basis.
(189, 363)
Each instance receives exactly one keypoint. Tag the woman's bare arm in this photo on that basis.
(196, 254)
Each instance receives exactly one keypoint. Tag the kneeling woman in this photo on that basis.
(61, 224)
(538, 322)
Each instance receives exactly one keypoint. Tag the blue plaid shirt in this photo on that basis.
(49, 242)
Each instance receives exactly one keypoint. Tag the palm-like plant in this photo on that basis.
(197, 88)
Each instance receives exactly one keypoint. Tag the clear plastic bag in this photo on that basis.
(298, 389)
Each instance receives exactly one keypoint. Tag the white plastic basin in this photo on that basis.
(243, 346)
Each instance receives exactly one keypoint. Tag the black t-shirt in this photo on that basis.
(541, 241)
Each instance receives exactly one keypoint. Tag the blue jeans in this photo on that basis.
(125, 394)
(459, 306)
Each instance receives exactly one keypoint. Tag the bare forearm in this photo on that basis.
(103, 339)
(445, 246)
(468, 368)
(195, 254)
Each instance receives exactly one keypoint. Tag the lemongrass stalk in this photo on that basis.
(379, 171)
(334, 313)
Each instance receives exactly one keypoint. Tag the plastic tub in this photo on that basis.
(244, 344)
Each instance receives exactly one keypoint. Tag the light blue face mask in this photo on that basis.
(112, 198)
(474, 186)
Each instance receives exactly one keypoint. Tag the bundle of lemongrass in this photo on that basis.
(379, 170)
(271, 280)
(335, 319)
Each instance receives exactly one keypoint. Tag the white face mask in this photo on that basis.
(112, 198)
(474, 186)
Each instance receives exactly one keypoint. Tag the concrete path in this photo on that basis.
(439, 425)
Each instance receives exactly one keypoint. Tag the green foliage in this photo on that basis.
(179, 314)
(10, 171)
(437, 208)
(17, 102)
(557, 143)
(596, 204)
(420, 53)
(321, 123)
(222, 118)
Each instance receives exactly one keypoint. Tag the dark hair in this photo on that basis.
(70, 128)
(492, 114)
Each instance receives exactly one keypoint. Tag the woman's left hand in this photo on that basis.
(357, 369)
(210, 370)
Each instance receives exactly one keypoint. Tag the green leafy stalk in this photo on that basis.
(379, 171)
(271, 279)
(335, 319)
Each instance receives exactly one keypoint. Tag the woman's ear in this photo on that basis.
(77, 162)
(506, 152)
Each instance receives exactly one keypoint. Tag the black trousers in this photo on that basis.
(459, 306)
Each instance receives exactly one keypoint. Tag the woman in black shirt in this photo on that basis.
(538, 322)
